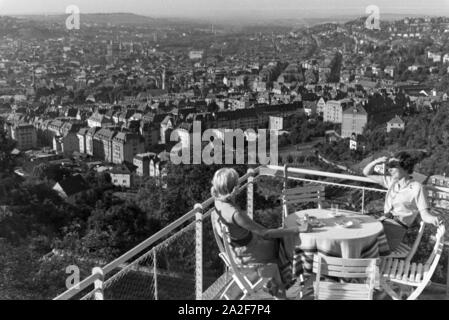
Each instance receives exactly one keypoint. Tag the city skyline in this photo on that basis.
(231, 8)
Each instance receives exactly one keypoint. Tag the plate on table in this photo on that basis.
(348, 223)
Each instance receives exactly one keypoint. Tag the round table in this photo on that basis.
(366, 239)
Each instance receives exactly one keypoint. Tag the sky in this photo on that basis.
(217, 8)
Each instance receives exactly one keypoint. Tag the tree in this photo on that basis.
(46, 171)
(335, 66)
(6, 146)
(115, 230)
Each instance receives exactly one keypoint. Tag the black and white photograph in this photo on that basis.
(224, 154)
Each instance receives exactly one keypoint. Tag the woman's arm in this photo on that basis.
(246, 222)
(429, 218)
(422, 203)
(368, 170)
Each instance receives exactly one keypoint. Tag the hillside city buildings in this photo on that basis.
(117, 101)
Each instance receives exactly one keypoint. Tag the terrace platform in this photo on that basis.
(150, 271)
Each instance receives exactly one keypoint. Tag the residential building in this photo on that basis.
(390, 71)
(55, 128)
(333, 111)
(121, 176)
(125, 146)
(25, 135)
(69, 138)
(354, 121)
(98, 120)
(320, 105)
(446, 58)
(158, 168)
(435, 56)
(439, 198)
(196, 54)
(90, 134)
(150, 134)
(103, 144)
(82, 140)
(395, 123)
(439, 181)
(142, 163)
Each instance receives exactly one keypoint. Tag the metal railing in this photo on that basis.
(178, 262)
(144, 266)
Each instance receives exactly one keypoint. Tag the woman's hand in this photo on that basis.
(429, 218)
(436, 221)
(381, 159)
(368, 170)
(304, 226)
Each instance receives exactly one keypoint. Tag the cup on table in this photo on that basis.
(335, 210)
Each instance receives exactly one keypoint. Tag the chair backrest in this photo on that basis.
(226, 253)
(366, 269)
(218, 238)
(416, 243)
(294, 196)
(434, 258)
(308, 193)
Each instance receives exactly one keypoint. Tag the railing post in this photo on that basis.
(98, 283)
(250, 194)
(363, 201)
(156, 295)
(199, 251)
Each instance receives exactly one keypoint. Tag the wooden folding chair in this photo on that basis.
(246, 277)
(411, 278)
(296, 196)
(344, 270)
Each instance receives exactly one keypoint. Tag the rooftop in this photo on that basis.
(396, 120)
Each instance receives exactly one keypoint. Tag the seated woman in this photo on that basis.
(251, 242)
(405, 197)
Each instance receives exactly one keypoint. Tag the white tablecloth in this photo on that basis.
(365, 240)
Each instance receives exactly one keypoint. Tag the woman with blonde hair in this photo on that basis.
(252, 243)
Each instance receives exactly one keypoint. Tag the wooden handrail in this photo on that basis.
(78, 288)
(272, 170)
(269, 170)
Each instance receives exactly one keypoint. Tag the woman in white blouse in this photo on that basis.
(405, 199)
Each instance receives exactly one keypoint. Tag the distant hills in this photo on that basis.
(100, 18)
(239, 20)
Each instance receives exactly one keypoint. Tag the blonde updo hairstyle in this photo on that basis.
(224, 184)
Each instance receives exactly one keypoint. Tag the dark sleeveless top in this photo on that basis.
(225, 212)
